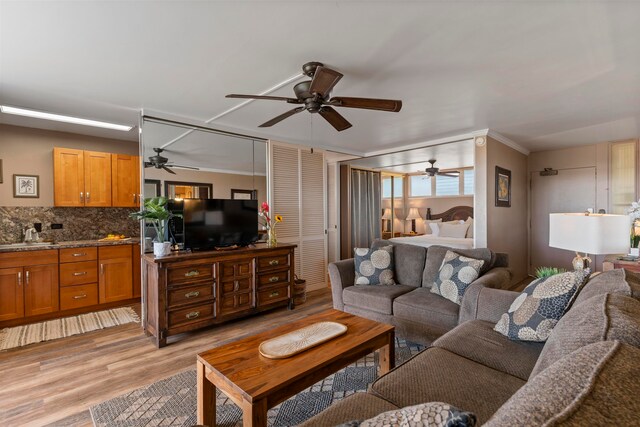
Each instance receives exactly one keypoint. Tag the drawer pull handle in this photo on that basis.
(79, 254)
(274, 294)
(274, 279)
(192, 294)
(192, 315)
(274, 262)
(19, 278)
(192, 273)
(80, 296)
(80, 273)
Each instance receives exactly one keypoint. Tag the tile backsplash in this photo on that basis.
(77, 223)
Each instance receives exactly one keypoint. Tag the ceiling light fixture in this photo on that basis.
(60, 118)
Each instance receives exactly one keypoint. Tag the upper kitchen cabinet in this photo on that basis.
(125, 180)
(81, 178)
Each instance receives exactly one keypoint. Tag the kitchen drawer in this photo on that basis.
(114, 252)
(191, 294)
(192, 314)
(266, 263)
(77, 273)
(78, 296)
(187, 274)
(273, 295)
(78, 254)
(273, 278)
(240, 285)
(22, 259)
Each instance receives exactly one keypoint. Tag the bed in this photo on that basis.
(457, 213)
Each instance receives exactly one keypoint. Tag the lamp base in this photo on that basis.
(581, 262)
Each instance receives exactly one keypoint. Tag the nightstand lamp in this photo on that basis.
(387, 215)
(595, 234)
(413, 215)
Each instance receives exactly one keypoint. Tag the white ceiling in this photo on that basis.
(544, 74)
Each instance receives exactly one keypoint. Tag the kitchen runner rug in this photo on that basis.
(19, 336)
(172, 401)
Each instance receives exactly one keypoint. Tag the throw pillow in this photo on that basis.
(456, 273)
(432, 414)
(427, 229)
(458, 231)
(374, 266)
(539, 307)
(435, 229)
(470, 229)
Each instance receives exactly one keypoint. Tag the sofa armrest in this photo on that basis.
(342, 274)
(485, 304)
(495, 278)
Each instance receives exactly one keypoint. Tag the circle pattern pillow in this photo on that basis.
(374, 266)
(456, 273)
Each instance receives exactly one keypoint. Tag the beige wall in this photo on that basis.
(222, 182)
(29, 151)
(507, 226)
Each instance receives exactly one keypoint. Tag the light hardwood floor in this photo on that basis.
(55, 383)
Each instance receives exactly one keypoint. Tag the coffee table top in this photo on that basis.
(240, 365)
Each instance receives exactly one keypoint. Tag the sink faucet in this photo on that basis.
(30, 235)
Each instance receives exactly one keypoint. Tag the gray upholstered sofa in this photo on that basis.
(585, 374)
(418, 314)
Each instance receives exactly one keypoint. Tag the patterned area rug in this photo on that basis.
(59, 328)
(172, 402)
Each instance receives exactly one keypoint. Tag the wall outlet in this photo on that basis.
(38, 227)
(56, 226)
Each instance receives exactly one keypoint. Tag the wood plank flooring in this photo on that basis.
(55, 383)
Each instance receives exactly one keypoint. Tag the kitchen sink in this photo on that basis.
(25, 245)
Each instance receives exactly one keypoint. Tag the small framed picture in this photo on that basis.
(26, 186)
(503, 187)
(244, 194)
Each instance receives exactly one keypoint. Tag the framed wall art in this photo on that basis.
(26, 186)
(243, 194)
(503, 187)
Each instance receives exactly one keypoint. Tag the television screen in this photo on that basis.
(213, 223)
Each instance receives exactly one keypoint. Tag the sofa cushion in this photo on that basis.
(358, 406)
(538, 308)
(608, 282)
(420, 305)
(374, 266)
(376, 298)
(476, 340)
(430, 414)
(436, 254)
(409, 262)
(597, 385)
(437, 375)
(456, 273)
(601, 317)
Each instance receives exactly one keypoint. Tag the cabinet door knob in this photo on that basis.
(80, 296)
(102, 269)
(192, 294)
(192, 315)
(88, 195)
(134, 198)
(274, 262)
(81, 196)
(26, 277)
(274, 279)
(19, 278)
(80, 273)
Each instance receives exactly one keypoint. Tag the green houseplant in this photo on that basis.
(155, 212)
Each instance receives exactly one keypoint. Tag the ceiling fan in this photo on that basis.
(315, 95)
(158, 161)
(433, 171)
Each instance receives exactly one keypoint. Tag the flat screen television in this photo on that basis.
(216, 223)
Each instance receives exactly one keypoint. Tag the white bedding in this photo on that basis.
(430, 240)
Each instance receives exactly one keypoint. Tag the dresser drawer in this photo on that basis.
(186, 274)
(78, 296)
(190, 294)
(273, 278)
(267, 263)
(77, 273)
(193, 314)
(273, 295)
(78, 254)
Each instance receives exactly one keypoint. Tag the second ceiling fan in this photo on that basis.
(433, 171)
(315, 95)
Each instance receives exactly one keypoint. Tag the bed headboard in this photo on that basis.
(453, 214)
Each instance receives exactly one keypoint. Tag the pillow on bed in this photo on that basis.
(470, 229)
(428, 222)
(435, 229)
(454, 230)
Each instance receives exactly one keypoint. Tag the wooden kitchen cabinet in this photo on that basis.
(125, 180)
(97, 179)
(11, 293)
(115, 273)
(136, 257)
(81, 178)
(41, 289)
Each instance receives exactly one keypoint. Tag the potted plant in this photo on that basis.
(155, 212)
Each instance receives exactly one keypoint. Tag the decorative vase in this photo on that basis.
(272, 239)
(161, 249)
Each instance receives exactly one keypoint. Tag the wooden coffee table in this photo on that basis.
(256, 383)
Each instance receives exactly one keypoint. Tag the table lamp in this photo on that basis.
(387, 215)
(596, 234)
(413, 215)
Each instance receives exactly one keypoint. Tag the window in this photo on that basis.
(469, 178)
(419, 186)
(386, 187)
(447, 185)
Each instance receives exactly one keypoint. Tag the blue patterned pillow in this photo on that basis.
(534, 314)
(374, 266)
(456, 273)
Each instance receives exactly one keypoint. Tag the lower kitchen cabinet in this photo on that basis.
(41, 289)
(115, 273)
(11, 293)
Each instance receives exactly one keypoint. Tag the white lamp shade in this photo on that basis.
(595, 234)
(386, 214)
(413, 214)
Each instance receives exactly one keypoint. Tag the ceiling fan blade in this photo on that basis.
(271, 98)
(281, 117)
(390, 105)
(324, 80)
(452, 174)
(183, 167)
(334, 118)
(168, 170)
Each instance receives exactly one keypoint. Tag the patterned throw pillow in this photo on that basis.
(456, 273)
(533, 315)
(374, 266)
(432, 414)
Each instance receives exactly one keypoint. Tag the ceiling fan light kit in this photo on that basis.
(315, 95)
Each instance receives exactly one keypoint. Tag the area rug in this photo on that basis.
(59, 328)
(172, 402)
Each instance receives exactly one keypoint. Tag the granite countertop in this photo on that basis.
(68, 244)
